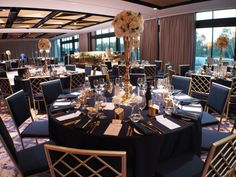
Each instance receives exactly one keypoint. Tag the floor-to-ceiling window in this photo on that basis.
(209, 26)
(106, 38)
(66, 46)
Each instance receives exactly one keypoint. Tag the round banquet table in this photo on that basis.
(144, 152)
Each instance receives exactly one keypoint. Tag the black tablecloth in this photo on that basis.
(144, 153)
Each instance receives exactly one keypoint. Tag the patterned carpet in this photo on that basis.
(7, 168)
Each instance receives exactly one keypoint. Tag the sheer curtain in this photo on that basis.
(148, 49)
(177, 40)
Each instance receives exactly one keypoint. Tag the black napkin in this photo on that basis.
(142, 127)
(189, 101)
(186, 114)
(176, 91)
(62, 108)
(69, 96)
(85, 123)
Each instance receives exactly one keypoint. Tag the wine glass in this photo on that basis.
(101, 83)
(95, 84)
(101, 101)
(83, 100)
(142, 103)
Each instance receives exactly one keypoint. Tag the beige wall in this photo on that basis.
(29, 47)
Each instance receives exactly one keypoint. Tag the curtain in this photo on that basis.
(84, 42)
(177, 40)
(148, 49)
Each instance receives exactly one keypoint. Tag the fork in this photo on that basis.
(95, 125)
(154, 127)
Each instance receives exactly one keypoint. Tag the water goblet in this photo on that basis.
(95, 84)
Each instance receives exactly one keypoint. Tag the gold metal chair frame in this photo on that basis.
(222, 115)
(150, 70)
(221, 160)
(171, 73)
(76, 80)
(97, 154)
(121, 70)
(17, 129)
(5, 90)
(232, 95)
(36, 88)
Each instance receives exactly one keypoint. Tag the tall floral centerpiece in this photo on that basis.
(129, 25)
(44, 46)
(135, 44)
(222, 42)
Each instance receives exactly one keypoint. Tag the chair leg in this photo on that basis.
(22, 143)
(221, 117)
(227, 111)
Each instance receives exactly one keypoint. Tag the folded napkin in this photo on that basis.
(143, 128)
(85, 123)
(185, 99)
(186, 114)
(176, 91)
(69, 95)
(166, 122)
(69, 116)
(61, 103)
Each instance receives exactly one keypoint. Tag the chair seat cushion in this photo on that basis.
(185, 165)
(36, 129)
(208, 119)
(211, 136)
(38, 96)
(200, 96)
(33, 160)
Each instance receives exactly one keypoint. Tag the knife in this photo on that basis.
(87, 123)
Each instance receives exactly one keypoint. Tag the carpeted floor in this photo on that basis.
(7, 168)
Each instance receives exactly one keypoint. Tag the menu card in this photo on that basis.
(69, 116)
(166, 122)
(114, 128)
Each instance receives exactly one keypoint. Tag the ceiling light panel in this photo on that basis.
(33, 13)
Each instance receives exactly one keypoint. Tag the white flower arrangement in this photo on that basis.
(44, 44)
(8, 52)
(222, 41)
(128, 24)
(117, 100)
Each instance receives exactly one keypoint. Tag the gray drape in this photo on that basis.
(84, 42)
(148, 49)
(177, 40)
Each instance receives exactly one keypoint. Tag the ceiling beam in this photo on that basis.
(78, 19)
(41, 22)
(11, 18)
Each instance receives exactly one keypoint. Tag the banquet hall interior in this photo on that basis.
(136, 88)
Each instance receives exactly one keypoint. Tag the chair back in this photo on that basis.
(115, 71)
(171, 72)
(167, 66)
(71, 67)
(5, 87)
(7, 142)
(65, 161)
(221, 159)
(183, 69)
(121, 70)
(92, 78)
(218, 97)
(182, 83)
(15, 64)
(150, 70)
(18, 107)
(35, 84)
(108, 64)
(22, 71)
(51, 90)
(233, 86)
(3, 74)
(158, 65)
(88, 70)
(200, 83)
(76, 80)
(134, 78)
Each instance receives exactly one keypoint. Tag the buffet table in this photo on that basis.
(144, 151)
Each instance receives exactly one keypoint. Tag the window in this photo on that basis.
(205, 43)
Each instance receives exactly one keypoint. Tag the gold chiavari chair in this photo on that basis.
(200, 87)
(121, 70)
(220, 162)
(232, 99)
(150, 70)
(171, 72)
(76, 80)
(36, 90)
(183, 69)
(85, 162)
(5, 91)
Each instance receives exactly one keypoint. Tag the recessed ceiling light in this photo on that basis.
(75, 23)
(154, 8)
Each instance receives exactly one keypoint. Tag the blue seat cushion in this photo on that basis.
(211, 136)
(33, 160)
(161, 75)
(208, 119)
(185, 165)
(36, 129)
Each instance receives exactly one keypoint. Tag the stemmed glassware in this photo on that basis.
(100, 104)
(95, 84)
(101, 84)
